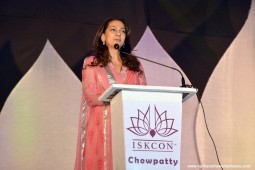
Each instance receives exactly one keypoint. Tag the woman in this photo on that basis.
(110, 61)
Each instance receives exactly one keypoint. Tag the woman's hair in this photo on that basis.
(101, 52)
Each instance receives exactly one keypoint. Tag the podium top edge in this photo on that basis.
(115, 88)
(153, 88)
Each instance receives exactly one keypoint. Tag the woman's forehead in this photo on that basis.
(116, 23)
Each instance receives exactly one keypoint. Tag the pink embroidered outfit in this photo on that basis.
(94, 148)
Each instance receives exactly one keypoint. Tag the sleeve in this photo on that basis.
(90, 83)
(142, 78)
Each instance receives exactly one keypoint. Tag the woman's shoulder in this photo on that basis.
(89, 59)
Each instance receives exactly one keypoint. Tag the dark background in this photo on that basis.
(195, 33)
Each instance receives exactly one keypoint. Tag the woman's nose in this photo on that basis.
(118, 33)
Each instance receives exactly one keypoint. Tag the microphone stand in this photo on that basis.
(182, 77)
(117, 47)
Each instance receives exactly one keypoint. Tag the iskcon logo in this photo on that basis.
(143, 125)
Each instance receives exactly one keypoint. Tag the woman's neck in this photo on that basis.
(116, 59)
(114, 55)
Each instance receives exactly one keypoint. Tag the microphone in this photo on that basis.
(117, 47)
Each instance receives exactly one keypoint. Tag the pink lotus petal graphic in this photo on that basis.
(152, 133)
(164, 126)
(140, 124)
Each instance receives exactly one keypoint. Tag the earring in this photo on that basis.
(123, 46)
(103, 43)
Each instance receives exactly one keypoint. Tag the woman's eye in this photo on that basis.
(112, 29)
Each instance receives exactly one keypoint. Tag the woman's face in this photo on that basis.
(115, 33)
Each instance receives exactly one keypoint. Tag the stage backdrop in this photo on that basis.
(42, 48)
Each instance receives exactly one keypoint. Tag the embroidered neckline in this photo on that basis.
(122, 73)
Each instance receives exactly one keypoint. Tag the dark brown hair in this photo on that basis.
(101, 52)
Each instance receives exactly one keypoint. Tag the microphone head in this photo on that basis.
(116, 46)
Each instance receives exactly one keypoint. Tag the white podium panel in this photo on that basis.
(146, 126)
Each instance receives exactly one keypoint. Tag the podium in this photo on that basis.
(146, 125)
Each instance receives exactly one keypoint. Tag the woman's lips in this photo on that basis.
(117, 40)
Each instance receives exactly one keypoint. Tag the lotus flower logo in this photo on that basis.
(141, 125)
